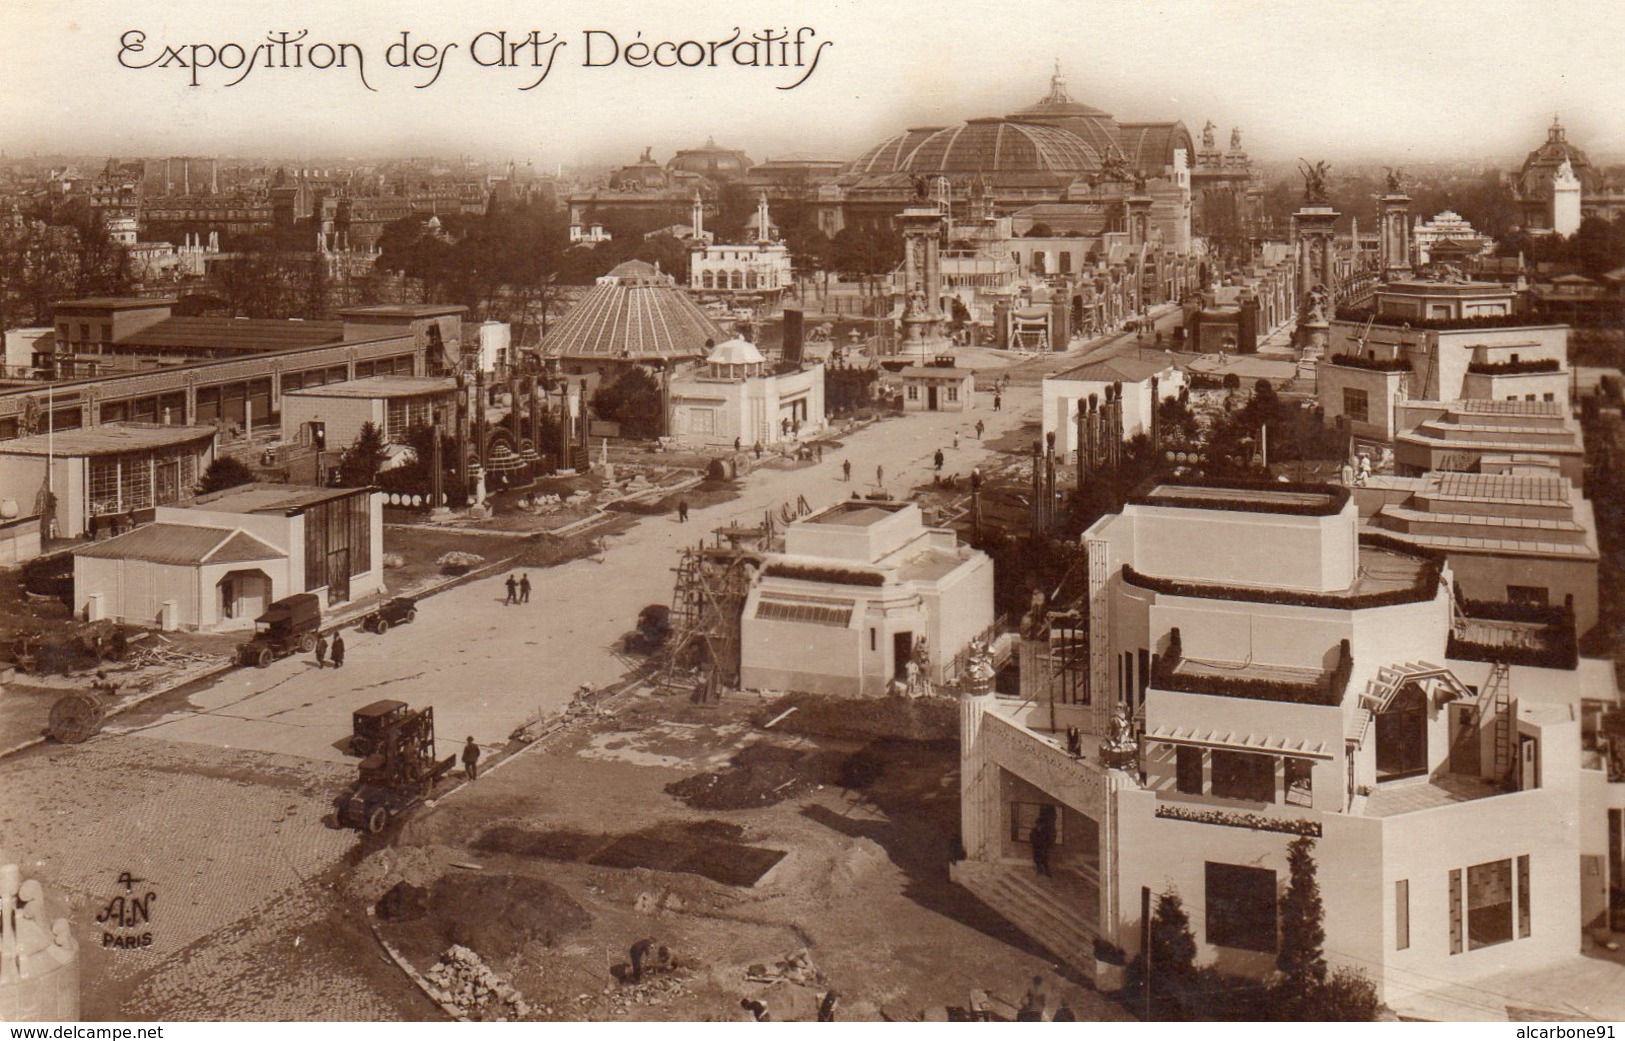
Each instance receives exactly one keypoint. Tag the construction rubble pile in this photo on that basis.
(460, 979)
(653, 990)
(797, 968)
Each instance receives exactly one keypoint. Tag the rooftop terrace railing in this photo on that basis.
(1364, 315)
(1545, 637)
(1327, 690)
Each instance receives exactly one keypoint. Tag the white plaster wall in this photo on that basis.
(1233, 547)
(343, 417)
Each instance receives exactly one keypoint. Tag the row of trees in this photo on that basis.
(1597, 248)
(1302, 988)
(53, 252)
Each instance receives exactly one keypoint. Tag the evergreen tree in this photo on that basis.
(225, 472)
(359, 465)
(633, 401)
(1173, 945)
(1303, 935)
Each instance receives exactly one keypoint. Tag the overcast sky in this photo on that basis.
(1390, 80)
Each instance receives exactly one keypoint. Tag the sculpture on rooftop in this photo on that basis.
(1207, 135)
(1393, 179)
(1314, 181)
(1235, 139)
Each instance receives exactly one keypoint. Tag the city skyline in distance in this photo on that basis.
(1418, 82)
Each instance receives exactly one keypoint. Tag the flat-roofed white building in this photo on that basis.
(735, 394)
(217, 562)
(111, 470)
(861, 590)
(1254, 670)
(393, 404)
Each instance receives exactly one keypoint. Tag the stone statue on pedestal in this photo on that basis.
(1314, 181)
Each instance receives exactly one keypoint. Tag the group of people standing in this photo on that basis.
(336, 648)
(518, 590)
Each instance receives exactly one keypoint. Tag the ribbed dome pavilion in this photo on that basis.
(1055, 140)
(634, 313)
(992, 146)
(1094, 127)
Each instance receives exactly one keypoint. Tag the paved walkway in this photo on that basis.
(486, 667)
(1577, 988)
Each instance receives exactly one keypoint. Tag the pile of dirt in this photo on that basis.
(711, 849)
(498, 915)
(762, 774)
(860, 719)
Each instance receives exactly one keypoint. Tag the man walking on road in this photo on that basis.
(513, 591)
(998, 401)
(980, 426)
(846, 470)
(338, 650)
(471, 758)
(682, 511)
(321, 651)
(524, 588)
(880, 476)
(938, 460)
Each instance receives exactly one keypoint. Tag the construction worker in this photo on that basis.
(471, 758)
(513, 591)
(524, 589)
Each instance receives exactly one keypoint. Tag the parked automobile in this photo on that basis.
(288, 626)
(402, 610)
(369, 721)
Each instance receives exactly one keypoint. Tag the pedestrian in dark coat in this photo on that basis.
(524, 589)
(1043, 838)
(637, 953)
(846, 469)
(938, 458)
(682, 511)
(321, 652)
(338, 650)
(471, 758)
(513, 591)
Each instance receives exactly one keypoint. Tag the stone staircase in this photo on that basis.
(1046, 909)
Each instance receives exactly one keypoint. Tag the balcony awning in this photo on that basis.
(1239, 742)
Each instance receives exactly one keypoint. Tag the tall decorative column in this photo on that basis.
(922, 277)
(1102, 695)
(1314, 228)
(1394, 216)
(979, 806)
(1139, 219)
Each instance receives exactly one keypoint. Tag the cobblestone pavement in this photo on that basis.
(223, 838)
(306, 960)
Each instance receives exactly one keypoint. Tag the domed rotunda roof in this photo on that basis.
(992, 146)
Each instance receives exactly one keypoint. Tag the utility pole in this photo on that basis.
(1145, 945)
